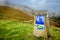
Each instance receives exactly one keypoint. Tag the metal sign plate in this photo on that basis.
(39, 21)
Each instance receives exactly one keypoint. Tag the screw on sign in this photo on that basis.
(41, 24)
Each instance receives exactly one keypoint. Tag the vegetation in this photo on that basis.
(55, 33)
(57, 19)
(12, 30)
(14, 14)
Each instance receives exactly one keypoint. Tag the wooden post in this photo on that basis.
(44, 32)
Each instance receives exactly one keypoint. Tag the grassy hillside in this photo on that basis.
(10, 13)
(12, 30)
(55, 33)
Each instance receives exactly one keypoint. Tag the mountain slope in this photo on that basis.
(14, 14)
(24, 8)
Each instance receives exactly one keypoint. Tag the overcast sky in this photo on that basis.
(50, 5)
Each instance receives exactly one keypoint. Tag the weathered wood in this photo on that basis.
(42, 33)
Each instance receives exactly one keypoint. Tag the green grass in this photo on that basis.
(55, 33)
(12, 30)
(15, 30)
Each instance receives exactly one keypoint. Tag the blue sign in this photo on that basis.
(39, 19)
(39, 22)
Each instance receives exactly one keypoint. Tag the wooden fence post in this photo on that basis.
(37, 31)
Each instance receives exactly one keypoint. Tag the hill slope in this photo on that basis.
(20, 15)
(14, 14)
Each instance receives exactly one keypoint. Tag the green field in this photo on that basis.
(55, 33)
(13, 30)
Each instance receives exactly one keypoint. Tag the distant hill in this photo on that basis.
(24, 8)
(13, 14)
